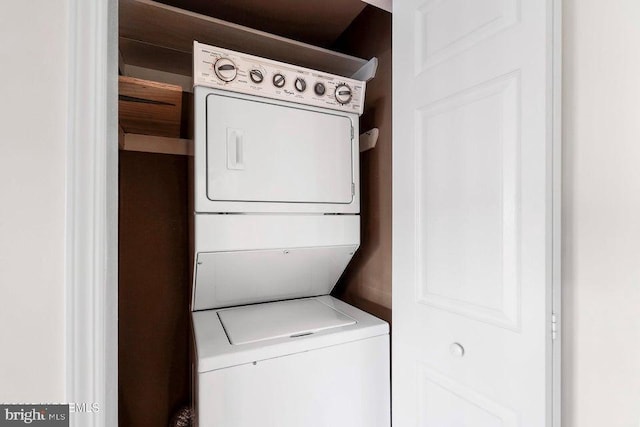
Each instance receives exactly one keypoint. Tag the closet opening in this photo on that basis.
(156, 162)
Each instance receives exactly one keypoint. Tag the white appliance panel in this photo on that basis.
(261, 152)
(253, 158)
(222, 233)
(225, 279)
(293, 318)
(340, 386)
(242, 73)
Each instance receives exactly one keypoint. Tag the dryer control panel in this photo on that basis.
(239, 72)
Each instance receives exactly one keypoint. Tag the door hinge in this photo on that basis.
(554, 326)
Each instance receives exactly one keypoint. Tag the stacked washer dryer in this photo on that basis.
(277, 204)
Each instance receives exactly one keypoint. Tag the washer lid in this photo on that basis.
(214, 351)
(260, 322)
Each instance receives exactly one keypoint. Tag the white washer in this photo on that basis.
(276, 222)
(313, 362)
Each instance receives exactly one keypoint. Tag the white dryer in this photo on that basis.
(276, 222)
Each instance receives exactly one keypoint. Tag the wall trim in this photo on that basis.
(91, 213)
(556, 137)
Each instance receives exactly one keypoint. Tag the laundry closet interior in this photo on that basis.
(156, 113)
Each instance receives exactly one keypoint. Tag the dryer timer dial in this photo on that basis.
(225, 69)
(343, 94)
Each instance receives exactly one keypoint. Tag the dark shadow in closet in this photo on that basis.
(154, 289)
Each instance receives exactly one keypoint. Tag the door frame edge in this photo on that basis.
(556, 280)
(91, 216)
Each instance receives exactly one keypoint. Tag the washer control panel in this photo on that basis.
(238, 72)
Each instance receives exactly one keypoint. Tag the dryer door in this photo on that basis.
(259, 151)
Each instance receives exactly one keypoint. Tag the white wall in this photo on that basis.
(601, 256)
(33, 122)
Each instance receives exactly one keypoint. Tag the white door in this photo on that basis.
(473, 216)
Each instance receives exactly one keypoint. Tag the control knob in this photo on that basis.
(300, 84)
(278, 80)
(256, 76)
(319, 89)
(225, 69)
(343, 94)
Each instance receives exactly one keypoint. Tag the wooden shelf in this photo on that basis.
(160, 37)
(149, 108)
(151, 117)
(156, 144)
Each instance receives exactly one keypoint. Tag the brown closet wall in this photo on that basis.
(154, 289)
(367, 281)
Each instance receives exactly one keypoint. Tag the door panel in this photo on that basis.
(262, 152)
(467, 231)
(472, 194)
(447, 403)
(445, 28)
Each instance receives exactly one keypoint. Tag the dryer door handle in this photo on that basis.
(235, 149)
